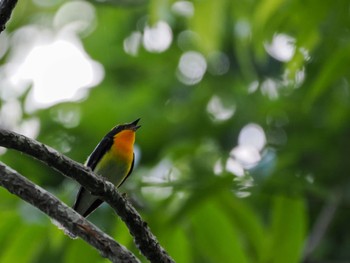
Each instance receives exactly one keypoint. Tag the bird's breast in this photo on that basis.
(113, 167)
(123, 144)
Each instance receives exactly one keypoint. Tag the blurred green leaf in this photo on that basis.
(10, 221)
(177, 240)
(78, 251)
(288, 230)
(24, 244)
(209, 23)
(214, 237)
(331, 71)
(250, 227)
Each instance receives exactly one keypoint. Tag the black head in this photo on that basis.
(121, 127)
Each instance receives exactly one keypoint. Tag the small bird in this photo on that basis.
(113, 158)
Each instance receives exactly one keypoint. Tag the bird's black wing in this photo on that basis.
(99, 151)
(91, 162)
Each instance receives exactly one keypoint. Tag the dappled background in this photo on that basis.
(243, 155)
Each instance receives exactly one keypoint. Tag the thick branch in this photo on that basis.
(143, 237)
(76, 224)
(6, 8)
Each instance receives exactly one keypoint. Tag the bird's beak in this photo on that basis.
(133, 126)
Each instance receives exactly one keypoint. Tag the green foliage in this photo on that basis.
(288, 225)
(198, 206)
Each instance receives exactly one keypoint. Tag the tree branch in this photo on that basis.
(72, 221)
(143, 237)
(6, 8)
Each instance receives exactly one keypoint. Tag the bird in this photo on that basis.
(113, 158)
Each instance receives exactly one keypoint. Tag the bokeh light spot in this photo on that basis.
(183, 8)
(10, 113)
(269, 88)
(69, 117)
(217, 111)
(248, 156)
(79, 16)
(157, 38)
(281, 48)
(234, 167)
(218, 167)
(218, 63)
(252, 135)
(242, 29)
(132, 43)
(162, 173)
(191, 68)
(59, 70)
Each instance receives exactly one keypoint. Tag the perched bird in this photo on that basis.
(113, 158)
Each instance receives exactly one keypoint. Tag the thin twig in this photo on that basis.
(143, 237)
(73, 222)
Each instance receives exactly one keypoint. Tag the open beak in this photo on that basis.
(133, 126)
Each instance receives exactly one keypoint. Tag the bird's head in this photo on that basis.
(129, 126)
(124, 136)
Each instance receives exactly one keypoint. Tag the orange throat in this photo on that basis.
(123, 144)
